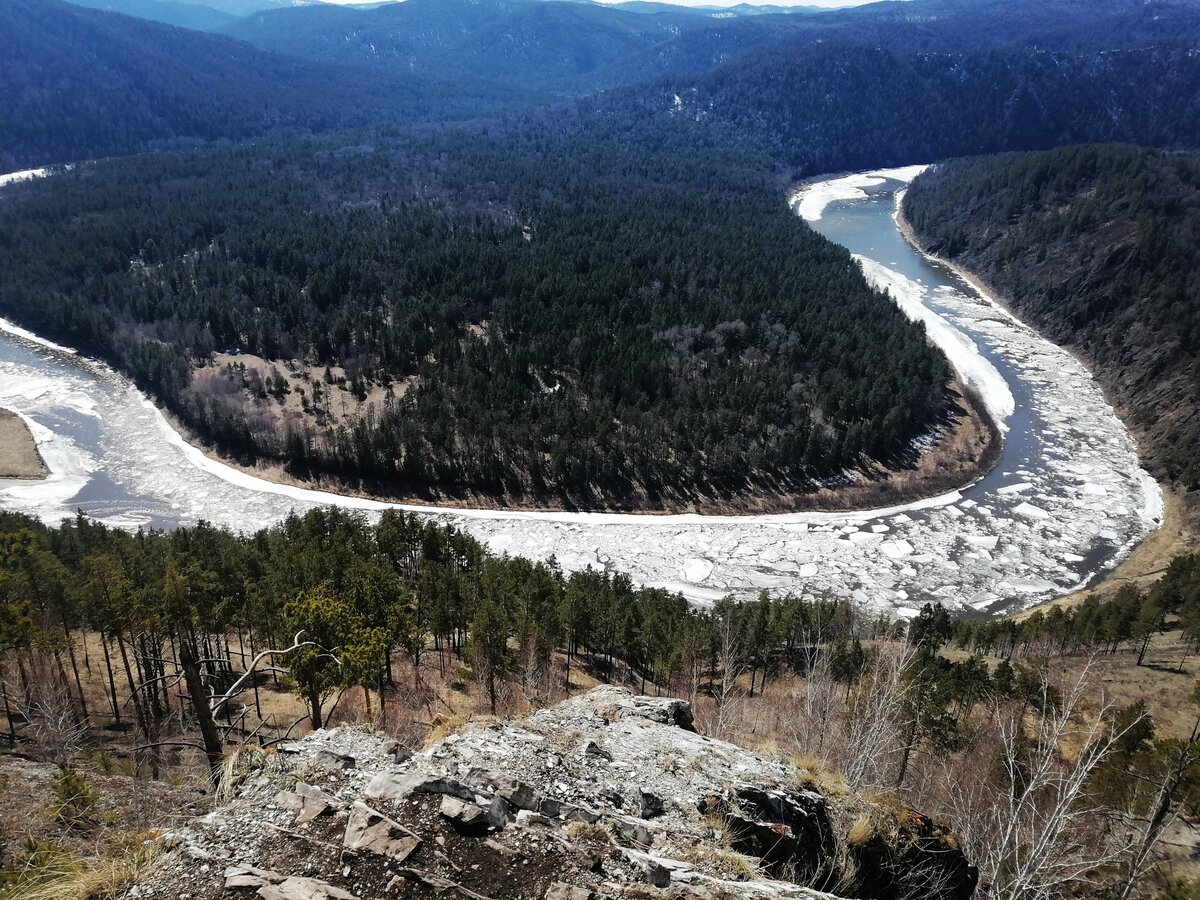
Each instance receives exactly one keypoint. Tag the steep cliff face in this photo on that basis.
(606, 795)
(1095, 245)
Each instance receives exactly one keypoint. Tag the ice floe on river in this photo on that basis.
(1066, 500)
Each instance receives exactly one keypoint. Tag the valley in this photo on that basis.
(1026, 531)
(571, 450)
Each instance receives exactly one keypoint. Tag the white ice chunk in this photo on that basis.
(896, 549)
(696, 570)
(1030, 511)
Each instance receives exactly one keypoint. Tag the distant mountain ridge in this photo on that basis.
(546, 44)
(575, 47)
(196, 16)
(80, 83)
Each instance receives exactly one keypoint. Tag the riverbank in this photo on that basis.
(964, 448)
(1032, 528)
(1177, 531)
(19, 456)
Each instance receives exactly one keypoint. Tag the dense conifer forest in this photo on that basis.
(839, 107)
(603, 303)
(623, 331)
(1096, 245)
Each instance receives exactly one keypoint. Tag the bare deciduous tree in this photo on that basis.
(1043, 835)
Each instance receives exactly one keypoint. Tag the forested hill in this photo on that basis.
(537, 316)
(80, 83)
(834, 90)
(839, 107)
(1096, 245)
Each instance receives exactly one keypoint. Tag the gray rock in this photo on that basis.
(635, 832)
(560, 891)
(303, 889)
(371, 831)
(333, 762)
(594, 750)
(466, 814)
(274, 886)
(397, 786)
(580, 814)
(243, 876)
(306, 801)
(517, 793)
(650, 806)
(500, 813)
(657, 874)
(397, 751)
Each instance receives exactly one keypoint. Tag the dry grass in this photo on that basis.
(862, 832)
(65, 877)
(588, 834)
(722, 863)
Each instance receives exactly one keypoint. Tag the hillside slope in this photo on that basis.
(1095, 245)
(841, 107)
(603, 796)
(196, 16)
(81, 83)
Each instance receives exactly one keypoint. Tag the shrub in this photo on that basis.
(74, 797)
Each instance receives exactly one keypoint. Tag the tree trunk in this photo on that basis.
(213, 746)
(138, 713)
(112, 683)
(75, 671)
(12, 726)
(314, 706)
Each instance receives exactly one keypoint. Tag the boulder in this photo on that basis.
(399, 785)
(580, 814)
(370, 831)
(333, 762)
(294, 888)
(306, 801)
(467, 815)
(594, 750)
(275, 886)
(656, 873)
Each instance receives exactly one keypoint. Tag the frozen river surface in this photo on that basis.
(1066, 502)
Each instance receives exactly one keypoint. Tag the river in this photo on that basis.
(1066, 502)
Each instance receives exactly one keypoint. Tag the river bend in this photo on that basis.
(1066, 502)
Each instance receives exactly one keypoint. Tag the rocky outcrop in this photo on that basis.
(607, 795)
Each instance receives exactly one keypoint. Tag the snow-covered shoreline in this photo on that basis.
(1028, 533)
